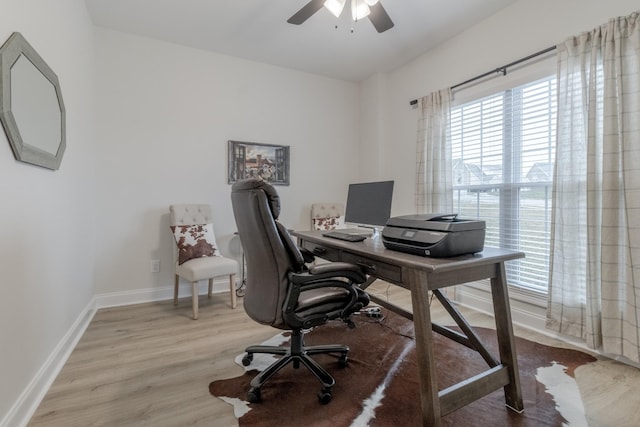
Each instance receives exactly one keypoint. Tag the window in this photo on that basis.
(503, 152)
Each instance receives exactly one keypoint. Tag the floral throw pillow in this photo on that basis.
(329, 223)
(195, 241)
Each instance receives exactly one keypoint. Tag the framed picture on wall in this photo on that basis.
(253, 160)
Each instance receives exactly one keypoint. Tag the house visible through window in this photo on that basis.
(503, 152)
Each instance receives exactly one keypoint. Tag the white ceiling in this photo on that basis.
(258, 30)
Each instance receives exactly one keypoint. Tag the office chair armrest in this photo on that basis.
(307, 255)
(331, 275)
(332, 270)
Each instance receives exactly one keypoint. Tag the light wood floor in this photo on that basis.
(151, 364)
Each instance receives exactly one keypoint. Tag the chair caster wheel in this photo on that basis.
(324, 396)
(253, 396)
(246, 360)
(343, 361)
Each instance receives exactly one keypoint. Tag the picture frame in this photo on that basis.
(254, 160)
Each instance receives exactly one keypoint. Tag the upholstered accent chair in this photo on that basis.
(285, 291)
(197, 255)
(327, 216)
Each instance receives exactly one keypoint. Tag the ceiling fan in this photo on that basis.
(359, 9)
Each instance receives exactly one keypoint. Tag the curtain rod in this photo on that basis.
(498, 70)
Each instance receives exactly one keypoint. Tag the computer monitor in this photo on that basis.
(369, 203)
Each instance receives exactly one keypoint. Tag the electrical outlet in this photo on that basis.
(155, 266)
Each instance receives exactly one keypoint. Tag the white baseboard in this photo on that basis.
(30, 398)
(140, 296)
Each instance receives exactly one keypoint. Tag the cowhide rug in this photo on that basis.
(379, 387)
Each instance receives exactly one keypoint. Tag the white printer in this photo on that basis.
(435, 235)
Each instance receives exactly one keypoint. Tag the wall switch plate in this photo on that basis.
(155, 266)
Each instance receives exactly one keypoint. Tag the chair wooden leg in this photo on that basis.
(232, 289)
(210, 288)
(175, 290)
(194, 296)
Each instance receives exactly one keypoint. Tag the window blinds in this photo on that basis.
(503, 152)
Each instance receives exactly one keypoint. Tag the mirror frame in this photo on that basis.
(15, 46)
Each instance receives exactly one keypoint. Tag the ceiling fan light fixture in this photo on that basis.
(359, 10)
(335, 7)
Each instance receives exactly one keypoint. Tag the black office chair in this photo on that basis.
(282, 291)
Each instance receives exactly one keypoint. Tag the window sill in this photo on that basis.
(528, 307)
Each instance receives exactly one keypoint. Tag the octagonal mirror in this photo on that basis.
(31, 107)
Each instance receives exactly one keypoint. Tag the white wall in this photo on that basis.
(47, 240)
(517, 31)
(166, 113)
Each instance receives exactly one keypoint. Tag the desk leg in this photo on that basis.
(506, 341)
(429, 400)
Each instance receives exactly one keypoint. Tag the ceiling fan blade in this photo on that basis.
(306, 12)
(380, 18)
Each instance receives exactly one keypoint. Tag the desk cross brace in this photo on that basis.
(473, 388)
(469, 338)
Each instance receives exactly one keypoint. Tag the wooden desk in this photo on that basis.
(423, 274)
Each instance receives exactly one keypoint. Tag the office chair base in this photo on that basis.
(297, 354)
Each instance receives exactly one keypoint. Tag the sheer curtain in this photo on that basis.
(594, 291)
(434, 180)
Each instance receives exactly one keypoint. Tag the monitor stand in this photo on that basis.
(374, 231)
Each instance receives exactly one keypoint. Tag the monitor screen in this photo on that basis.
(369, 203)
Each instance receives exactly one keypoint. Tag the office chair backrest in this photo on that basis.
(269, 250)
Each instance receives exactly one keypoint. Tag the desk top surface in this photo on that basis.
(374, 248)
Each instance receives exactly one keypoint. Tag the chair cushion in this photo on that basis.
(319, 297)
(205, 268)
(195, 241)
(324, 300)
